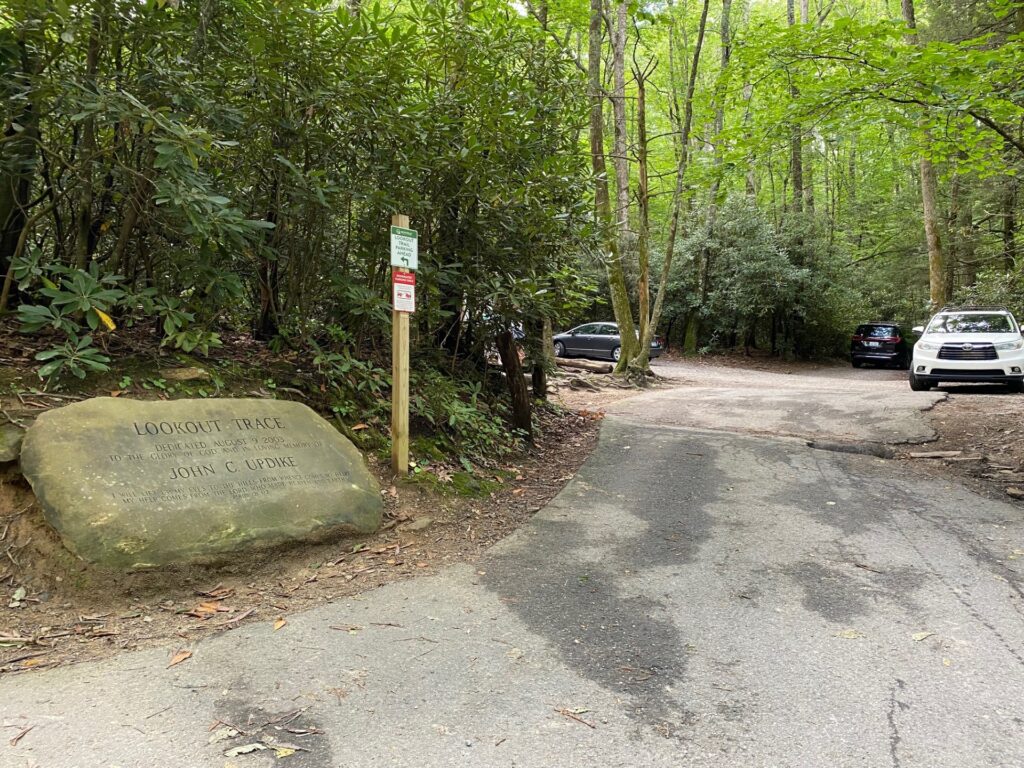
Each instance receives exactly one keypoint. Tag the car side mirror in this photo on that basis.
(918, 329)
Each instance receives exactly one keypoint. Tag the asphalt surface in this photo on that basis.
(692, 598)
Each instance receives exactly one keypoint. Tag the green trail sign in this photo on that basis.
(404, 251)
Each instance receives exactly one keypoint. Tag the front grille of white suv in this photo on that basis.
(979, 351)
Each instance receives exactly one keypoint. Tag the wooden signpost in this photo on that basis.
(404, 260)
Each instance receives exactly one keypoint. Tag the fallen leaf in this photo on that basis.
(358, 427)
(919, 636)
(279, 623)
(947, 662)
(115, 393)
(208, 609)
(222, 734)
(179, 657)
(284, 751)
(246, 749)
(850, 634)
(30, 662)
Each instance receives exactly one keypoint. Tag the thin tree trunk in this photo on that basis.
(83, 219)
(677, 195)
(641, 359)
(955, 255)
(796, 173)
(807, 158)
(616, 276)
(704, 265)
(540, 353)
(602, 200)
(938, 284)
(1009, 228)
(937, 277)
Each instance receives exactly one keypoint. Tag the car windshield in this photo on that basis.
(972, 322)
(878, 331)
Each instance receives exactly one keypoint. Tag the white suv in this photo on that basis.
(975, 344)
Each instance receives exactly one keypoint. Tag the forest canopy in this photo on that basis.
(719, 173)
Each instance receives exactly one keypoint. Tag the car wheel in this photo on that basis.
(856, 363)
(559, 349)
(917, 384)
(616, 354)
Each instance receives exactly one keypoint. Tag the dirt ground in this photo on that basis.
(56, 609)
(984, 426)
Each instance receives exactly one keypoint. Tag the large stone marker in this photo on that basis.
(136, 484)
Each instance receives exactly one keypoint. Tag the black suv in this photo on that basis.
(881, 343)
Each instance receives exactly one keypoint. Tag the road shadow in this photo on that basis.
(578, 577)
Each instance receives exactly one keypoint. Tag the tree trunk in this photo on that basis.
(1009, 228)
(704, 258)
(796, 173)
(540, 351)
(677, 195)
(266, 326)
(602, 201)
(691, 334)
(585, 365)
(84, 237)
(955, 254)
(640, 363)
(616, 272)
(508, 350)
(938, 284)
(939, 288)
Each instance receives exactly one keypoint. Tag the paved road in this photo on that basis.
(692, 598)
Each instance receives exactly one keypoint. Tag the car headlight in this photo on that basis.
(926, 345)
(1018, 344)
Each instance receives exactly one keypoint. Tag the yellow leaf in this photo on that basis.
(284, 751)
(279, 623)
(850, 634)
(30, 662)
(105, 319)
(208, 608)
(179, 657)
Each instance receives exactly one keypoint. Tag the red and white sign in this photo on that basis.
(403, 290)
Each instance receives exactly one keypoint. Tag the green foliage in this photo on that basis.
(357, 387)
(194, 340)
(75, 356)
(997, 287)
(205, 169)
(461, 420)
